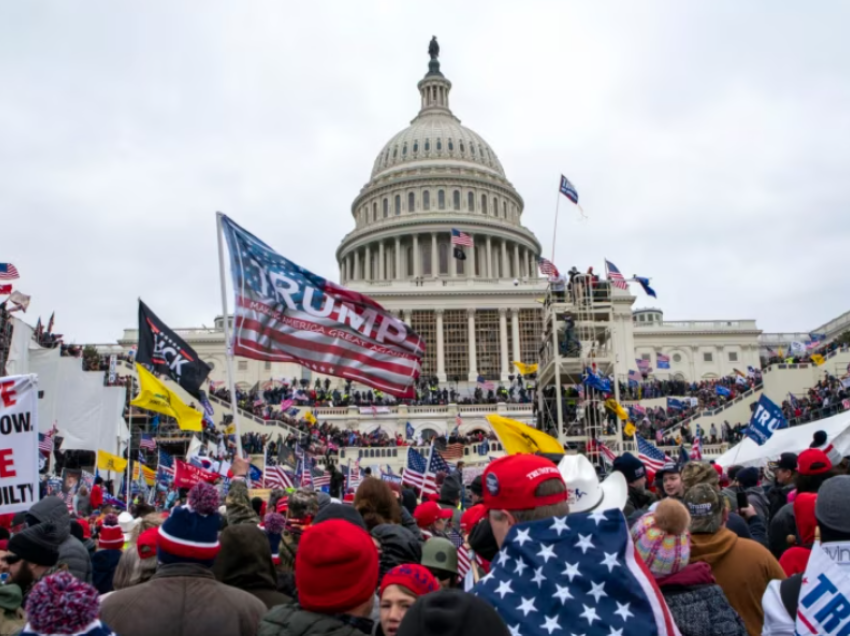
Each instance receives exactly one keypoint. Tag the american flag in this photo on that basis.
(45, 443)
(576, 574)
(165, 468)
(462, 239)
(285, 405)
(650, 455)
(639, 409)
(146, 442)
(303, 475)
(8, 271)
(662, 361)
(463, 560)
(453, 452)
(285, 313)
(696, 448)
(568, 190)
(436, 464)
(320, 478)
(485, 384)
(615, 277)
(414, 472)
(635, 377)
(547, 267)
(279, 477)
(606, 453)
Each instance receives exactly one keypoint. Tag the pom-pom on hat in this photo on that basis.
(190, 534)
(661, 538)
(273, 525)
(111, 537)
(62, 604)
(821, 442)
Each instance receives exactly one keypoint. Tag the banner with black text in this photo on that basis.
(19, 443)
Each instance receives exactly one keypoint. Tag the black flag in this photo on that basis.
(459, 253)
(165, 352)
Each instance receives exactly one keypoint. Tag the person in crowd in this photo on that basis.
(432, 519)
(476, 492)
(188, 599)
(96, 496)
(452, 613)
(128, 523)
(742, 567)
(796, 557)
(81, 531)
(72, 553)
(784, 474)
(697, 603)
(407, 519)
(12, 616)
(138, 561)
(450, 495)
(110, 544)
(82, 503)
(781, 598)
(376, 503)
(439, 555)
(634, 471)
(748, 482)
(245, 562)
(337, 565)
(33, 554)
(400, 588)
(813, 469)
(670, 478)
(62, 604)
(396, 545)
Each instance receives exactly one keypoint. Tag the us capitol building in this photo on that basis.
(479, 314)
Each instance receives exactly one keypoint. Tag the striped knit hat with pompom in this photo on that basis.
(662, 539)
(62, 604)
(273, 525)
(110, 536)
(190, 534)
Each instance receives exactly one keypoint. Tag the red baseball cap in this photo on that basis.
(813, 462)
(510, 482)
(471, 517)
(428, 513)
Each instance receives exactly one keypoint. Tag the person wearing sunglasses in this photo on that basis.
(33, 554)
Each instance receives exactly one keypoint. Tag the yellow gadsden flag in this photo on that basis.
(148, 473)
(629, 429)
(526, 369)
(310, 417)
(818, 359)
(615, 407)
(155, 396)
(108, 461)
(517, 437)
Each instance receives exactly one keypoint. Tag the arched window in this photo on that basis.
(387, 156)
(375, 211)
(439, 144)
(441, 199)
(451, 145)
(483, 204)
(426, 260)
(404, 149)
(470, 201)
(411, 201)
(426, 200)
(443, 251)
(505, 209)
(461, 146)
(397, 204)
(415, 145)
(395, 152)
(495, 206)
(427, 145)
(456, 199)
(472, 149)
(386, 207)
(480, 151)
(408, 260)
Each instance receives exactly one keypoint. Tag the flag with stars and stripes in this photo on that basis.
(653, 458)
(285, 313)
(414, 471)
(45, 443)
(615, 277)
(696, 448)
(146, 442)
(464, 562)
(547, 267)
(279, 477)
(575, 574)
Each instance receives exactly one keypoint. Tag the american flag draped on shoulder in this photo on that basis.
(285, 313)
(575, 574)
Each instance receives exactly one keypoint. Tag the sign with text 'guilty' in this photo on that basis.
(18, 443)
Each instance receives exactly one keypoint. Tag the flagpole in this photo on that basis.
(555, 230)
(228, 356)
(129, 459)
(265, 462)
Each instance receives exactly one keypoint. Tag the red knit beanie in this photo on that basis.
(416, 578)
(111, 537)
(336, 567)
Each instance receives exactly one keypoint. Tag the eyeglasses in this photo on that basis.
(11, 559)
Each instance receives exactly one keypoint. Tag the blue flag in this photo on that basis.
(766, 419)
(256, 474)
(568, 190)
(644, 282)
(593, 380)
(409, 431)
(722, 390)
(676, 405)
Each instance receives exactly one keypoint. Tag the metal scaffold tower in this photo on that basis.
(578, 322)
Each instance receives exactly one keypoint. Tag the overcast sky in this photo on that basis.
(709, 142)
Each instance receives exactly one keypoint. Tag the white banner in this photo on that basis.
(824, 595)
(18, 443)
(374, 410)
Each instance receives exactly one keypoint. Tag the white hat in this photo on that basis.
(584, 491)
(127, 523)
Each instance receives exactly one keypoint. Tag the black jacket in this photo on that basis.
(291, 620)
(71, 551)
(398, 545)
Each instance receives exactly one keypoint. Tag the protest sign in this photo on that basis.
(186, 475)
(19, 443)
(766, 419)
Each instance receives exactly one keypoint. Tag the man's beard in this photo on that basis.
(24, 577)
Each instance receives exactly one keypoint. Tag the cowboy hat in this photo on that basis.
(585, 492)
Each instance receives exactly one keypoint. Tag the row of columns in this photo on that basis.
(524, 261)
(504, 359)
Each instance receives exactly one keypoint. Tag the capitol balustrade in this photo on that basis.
(368, 413)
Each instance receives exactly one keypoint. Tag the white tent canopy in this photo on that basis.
(789, 440)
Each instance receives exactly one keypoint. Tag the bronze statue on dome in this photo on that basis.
(434, 48)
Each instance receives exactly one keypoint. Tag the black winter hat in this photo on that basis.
(476, 487)
(340, 511)
(451, 613)
(450, 490)
(631, 467)
(37, 544)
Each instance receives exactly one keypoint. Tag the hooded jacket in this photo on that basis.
(783, 524)
(12, 617)
(71, 551)
(795, 558)
(698, 604)
(409, 523)
(758, 500)
(398, 546)
(291, 620)
(104, 563)
(742, 568)
(639, 501)
(245, 562)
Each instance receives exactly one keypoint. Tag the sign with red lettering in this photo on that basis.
(187, 475)
(18, 443)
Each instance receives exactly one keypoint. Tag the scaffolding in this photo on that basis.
(578, 338)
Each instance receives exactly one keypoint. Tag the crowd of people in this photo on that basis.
(726, 550)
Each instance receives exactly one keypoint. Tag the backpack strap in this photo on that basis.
(789, 592)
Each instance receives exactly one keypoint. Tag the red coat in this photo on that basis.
(96, 497)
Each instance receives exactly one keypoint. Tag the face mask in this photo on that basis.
(482, 541)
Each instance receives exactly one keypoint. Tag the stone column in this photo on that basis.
(435, 266)
(517, 273)
(532, 265)
(503, 342)
(470, 262)
(441, 353)
(505, 268)
(398, 258)
(368, 274)
(473, 354)
(356, 265)
(452, 263)
(489, 258)
(515, 335)
(381, 275)
(416, 257)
